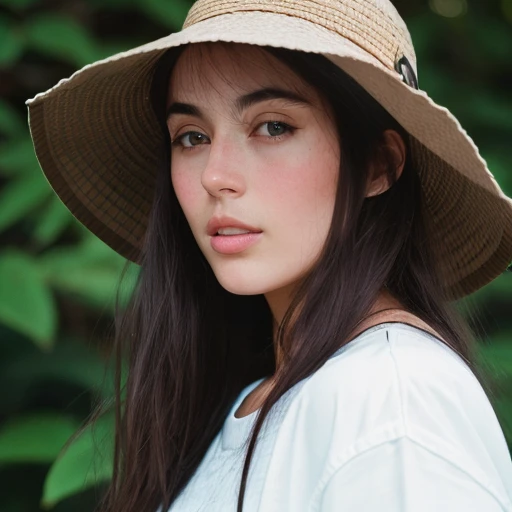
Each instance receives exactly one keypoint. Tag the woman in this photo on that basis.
(305, 219)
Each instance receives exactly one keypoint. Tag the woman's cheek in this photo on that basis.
(183, 183)
(300, 173)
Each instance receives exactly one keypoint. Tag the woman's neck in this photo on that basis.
(280, 300)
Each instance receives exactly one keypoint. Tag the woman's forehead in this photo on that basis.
(203, 69)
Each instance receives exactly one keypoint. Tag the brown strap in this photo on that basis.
(394, 315)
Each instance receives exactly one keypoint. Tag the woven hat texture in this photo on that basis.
(98, 141)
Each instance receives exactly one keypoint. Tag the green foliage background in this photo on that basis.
(57, 282)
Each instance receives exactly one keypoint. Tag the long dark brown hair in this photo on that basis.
(191, 346)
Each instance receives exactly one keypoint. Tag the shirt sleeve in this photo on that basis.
(403, 476)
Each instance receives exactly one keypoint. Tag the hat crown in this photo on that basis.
(374, 25)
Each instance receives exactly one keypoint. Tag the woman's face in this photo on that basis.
(255, 150)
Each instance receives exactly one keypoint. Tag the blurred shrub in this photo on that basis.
(58, 282)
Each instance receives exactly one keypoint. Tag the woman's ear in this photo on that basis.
(392, 152)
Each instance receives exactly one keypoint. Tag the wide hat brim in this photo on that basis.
(99, 145)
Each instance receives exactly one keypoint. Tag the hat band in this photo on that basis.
(362, 22)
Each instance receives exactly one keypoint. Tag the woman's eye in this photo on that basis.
(270, 129)
(190, 140)
(275, 128)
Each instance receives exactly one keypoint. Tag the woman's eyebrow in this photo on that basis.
(242, 103)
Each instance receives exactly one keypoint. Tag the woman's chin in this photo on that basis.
(245, 287)
(247, 284)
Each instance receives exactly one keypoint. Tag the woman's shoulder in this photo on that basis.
(395, 357)
(406, 347)
(395, 346)
(392, 382)
(397, 380)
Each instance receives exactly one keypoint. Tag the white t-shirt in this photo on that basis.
(393, 422)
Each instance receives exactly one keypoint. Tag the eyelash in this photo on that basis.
(177, 142)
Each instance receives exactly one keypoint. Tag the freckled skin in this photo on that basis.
(284, 185)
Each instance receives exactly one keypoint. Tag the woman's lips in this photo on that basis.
(233, 244)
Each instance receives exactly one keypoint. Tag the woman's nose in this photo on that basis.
(224, 171)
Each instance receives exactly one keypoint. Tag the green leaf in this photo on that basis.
(92, 250)
(87, 462)
(90, 270)
(20, 196)
(26, 304)
(18, 157)
(499, 357)
(52, 222)
(499, 167)
(489, 109)
(61, 37)
(71, 362)
(171, 15)
(503, 408)
(492, 39)
(38, 438)
(10, 121)
(11, 42)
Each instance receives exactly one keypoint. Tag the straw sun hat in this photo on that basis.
(98, 141)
